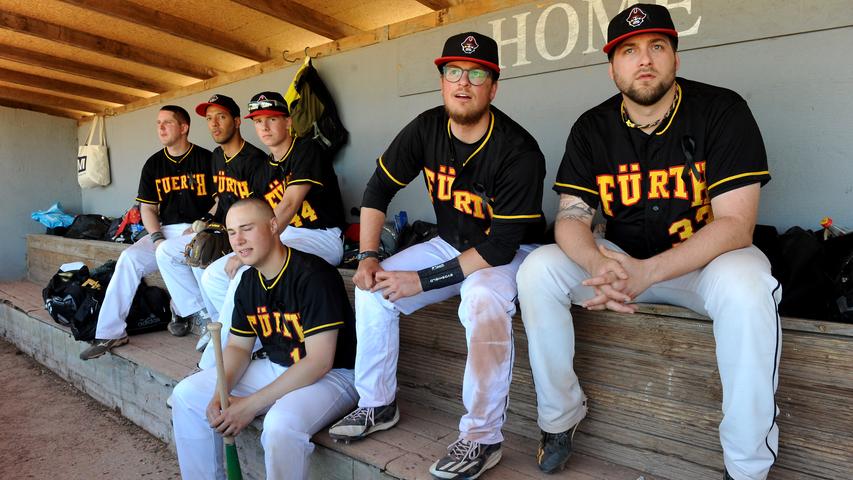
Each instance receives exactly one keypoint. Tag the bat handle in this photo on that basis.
(215, 329)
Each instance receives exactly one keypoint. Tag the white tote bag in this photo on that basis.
(93, 162)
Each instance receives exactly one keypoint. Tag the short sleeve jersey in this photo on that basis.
(498, 183)
(182, 187)
(306, 298)
(655, 190)
(237, 177)
(306, 163)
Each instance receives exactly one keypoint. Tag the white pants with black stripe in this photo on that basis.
(288, 426)
(735, 290)
(486, 309)
(218, 289)
(135, 262)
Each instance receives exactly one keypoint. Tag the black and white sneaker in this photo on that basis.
(726, 476)
(363, 421)
(555, 450)
(466, 460)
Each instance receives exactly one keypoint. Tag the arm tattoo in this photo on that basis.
(573, 208)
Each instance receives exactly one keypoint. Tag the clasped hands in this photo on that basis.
(617, 279)
(232, 420)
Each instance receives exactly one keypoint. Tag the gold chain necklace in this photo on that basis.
(631, 124)
(166, 152)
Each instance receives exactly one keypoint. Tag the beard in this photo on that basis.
(465, 118)
(645, 96)
(226, 137)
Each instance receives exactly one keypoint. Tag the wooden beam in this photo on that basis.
(105, 46)
(46, 83)
(437, 4)
(50, 62)
(172, 25)
(59, 112)
(303, 17)
(47, 100)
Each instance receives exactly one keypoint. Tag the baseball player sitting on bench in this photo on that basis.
(675, 167)
(236, 166)
(301, 186)
(175, 189)
(297, 305)
(484, 174)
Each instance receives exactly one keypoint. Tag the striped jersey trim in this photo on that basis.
(278, 277)
(147, 201)
(515, 217)
(483, 143)
(244, 332)
(321, 327)
(576, 187)
(735, 177)
(304, 180)
(381, 164)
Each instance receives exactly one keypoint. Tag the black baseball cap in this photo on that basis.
(471, 47)
(637, 19)
(227, 103)
(267, 103)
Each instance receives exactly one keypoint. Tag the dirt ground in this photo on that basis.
(52, 430)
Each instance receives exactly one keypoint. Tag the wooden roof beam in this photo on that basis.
(105, 46)
(438, 4)
(59, 112)
(172, 25)
(47, 100)
(303, 17)
(50, 62)
(46, 83)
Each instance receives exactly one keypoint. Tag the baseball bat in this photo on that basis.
(232, 462)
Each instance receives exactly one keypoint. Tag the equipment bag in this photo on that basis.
(150, 310)
(313, 109)
(64, 293)
(89, 227)
(93, 162)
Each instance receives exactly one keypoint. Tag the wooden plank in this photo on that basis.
(66, 87)
(172, 25)
(47, 100)
(60, 112)
(59, 64)
(438, 4)
(105, 46)
(297, 14)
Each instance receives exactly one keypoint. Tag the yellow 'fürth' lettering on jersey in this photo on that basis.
(192, 182)
(224, 183)
(626, 186)
(466, 202)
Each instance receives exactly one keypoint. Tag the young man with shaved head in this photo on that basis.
(296, 305)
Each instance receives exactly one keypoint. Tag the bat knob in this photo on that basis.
(214, 327)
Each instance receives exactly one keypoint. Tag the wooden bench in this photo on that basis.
(651, 378)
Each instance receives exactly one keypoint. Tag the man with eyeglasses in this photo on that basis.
(676, 167)
(484, 175)
(237, 168)
(301, 186)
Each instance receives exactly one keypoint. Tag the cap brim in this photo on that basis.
(622, 38)
(442, 60)
(258, 113)
(201, 108)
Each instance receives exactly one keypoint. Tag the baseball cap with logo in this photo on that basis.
(227, 103)
(637, 19)
(471, 47)
(267, 103)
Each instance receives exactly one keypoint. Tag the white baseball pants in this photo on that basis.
(218, 289)
(735, 290)
(134, 263)
(181, 280)
(485, 310)
(288, 426)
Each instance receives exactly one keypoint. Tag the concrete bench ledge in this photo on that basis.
(651, 378)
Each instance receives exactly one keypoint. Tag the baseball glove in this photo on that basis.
(207, 246)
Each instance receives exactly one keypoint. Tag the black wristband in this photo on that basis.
(207, 217)
(441, 275)
(367, 254)
(157, 236)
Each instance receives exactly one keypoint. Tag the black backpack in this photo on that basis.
(74, 298)
(89, 227)
(64, 293)
(150, 310)
(313, 110)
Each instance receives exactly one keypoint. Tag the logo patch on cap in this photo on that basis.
(213, 99)
(469, 45)
(636, 17)
(262, 97)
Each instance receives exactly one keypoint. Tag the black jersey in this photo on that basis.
(490, 199)
(182, 187)
(305, 298)
(237, 177)
(655, 189)
(308, 163)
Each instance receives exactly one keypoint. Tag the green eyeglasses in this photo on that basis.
(476, 76)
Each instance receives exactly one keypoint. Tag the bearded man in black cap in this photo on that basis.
(670, 163)
(484, 175)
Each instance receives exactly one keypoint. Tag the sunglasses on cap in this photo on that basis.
(261, 104)
(476, 76)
